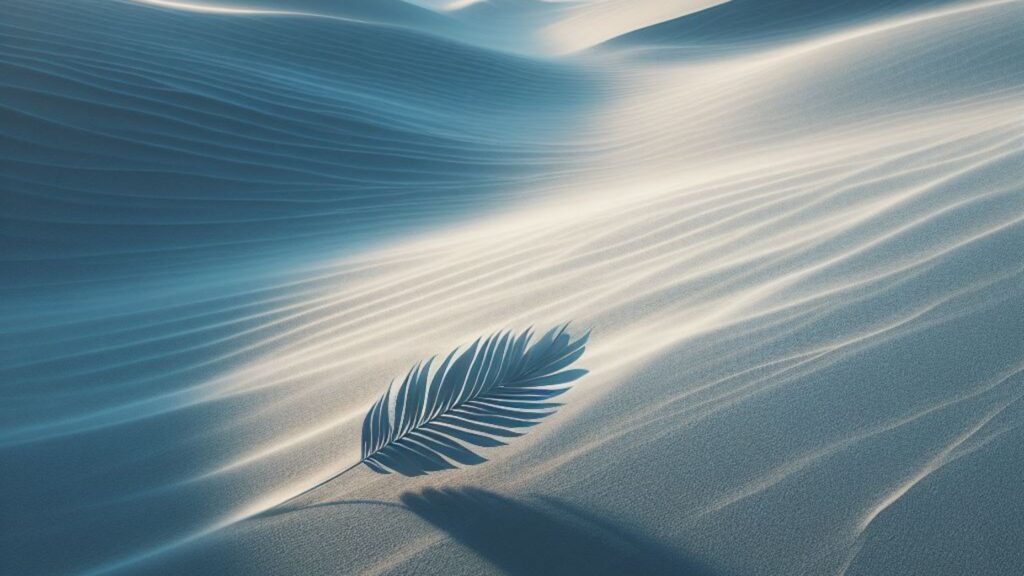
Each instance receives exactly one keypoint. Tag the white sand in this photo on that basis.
(801, 259)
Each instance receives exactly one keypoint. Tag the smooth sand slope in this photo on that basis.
(797, 242)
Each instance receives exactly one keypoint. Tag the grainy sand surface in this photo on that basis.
(795, 229)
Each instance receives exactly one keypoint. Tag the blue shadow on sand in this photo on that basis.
(544, 536)
(539, 536)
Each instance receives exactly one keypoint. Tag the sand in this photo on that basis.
(795, 232)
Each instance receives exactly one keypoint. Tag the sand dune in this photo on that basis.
(795, 231)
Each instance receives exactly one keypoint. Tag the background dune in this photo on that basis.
(795, 229)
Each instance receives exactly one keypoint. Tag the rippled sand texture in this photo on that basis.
(796, 229)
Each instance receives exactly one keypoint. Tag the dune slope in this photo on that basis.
(796, 238)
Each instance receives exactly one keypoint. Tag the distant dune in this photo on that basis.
(794, 228)
(739, 21)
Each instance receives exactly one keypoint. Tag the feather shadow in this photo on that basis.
(544, 537)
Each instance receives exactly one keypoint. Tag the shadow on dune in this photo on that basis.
(740, 21)
(539, 536)
(547, 536)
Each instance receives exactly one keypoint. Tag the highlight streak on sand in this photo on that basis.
(947, 455)
(794, 227)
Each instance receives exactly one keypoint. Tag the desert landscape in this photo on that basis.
(753, 271)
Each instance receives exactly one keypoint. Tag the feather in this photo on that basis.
(495, 388)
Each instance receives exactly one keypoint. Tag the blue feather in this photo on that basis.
(493, 389)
